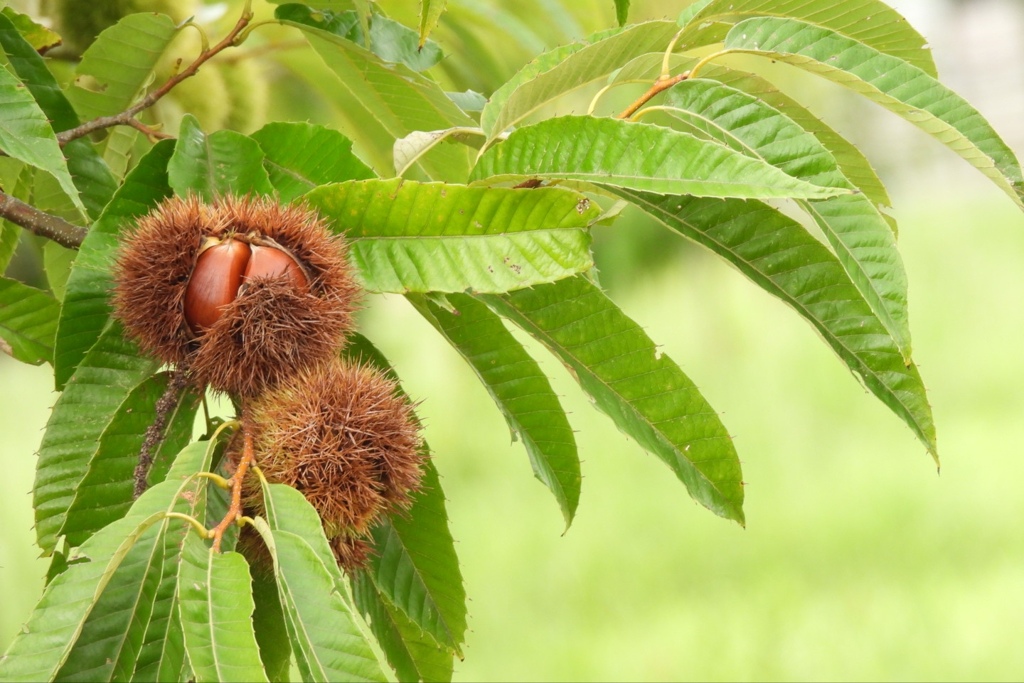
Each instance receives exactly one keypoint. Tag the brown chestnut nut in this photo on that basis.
(214, 282)
(267, 261)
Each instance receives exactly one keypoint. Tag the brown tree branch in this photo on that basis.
(127, 117)
(41, 223)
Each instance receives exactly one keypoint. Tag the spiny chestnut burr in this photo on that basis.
(343, 435)
(244, 291)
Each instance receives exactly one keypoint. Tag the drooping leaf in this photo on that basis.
(407, 236)
(88, 171)
(43, 646)
(26, 135)
(301, 156)
(107, 374)
(520, 389)
(646, 394)
(28, 321)
(898, 86)
(852, 162)
(224, 162)
(853, 225)
(566, 68)
(380, 103)
(872, 22)
(118, 65)
(86, 307)
(328, 646)
(637, 156)
(288, 512)
(413, 654)
(216, 605)
(106, 490)
(780, 256)
(430, 13)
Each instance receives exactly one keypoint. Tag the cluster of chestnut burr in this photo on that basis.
(256, 299)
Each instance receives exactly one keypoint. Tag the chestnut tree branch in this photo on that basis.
(127, 117)
(41, 223)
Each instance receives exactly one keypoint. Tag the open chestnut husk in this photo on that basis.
(244, 291)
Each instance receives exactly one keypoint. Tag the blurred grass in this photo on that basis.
(859, 562)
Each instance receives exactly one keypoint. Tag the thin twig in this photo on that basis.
(660, 85)
(126, 117)
(155, 432)
(41, 223)
(235, 511)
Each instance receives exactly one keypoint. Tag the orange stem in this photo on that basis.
(235, 511)
(659, 85)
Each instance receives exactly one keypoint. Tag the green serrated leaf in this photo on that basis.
(872, 22)
(380, 103)
(520, 389)
(216, 605)
(26, 135)
(898, 86)
(415, 566)
(288, 511)
(852, 162)
(646, 394)
(224, 162)
(637, 156)
(406, 236)
(28, 321)
(301, 156)
(780, 256)
(858, 232)
(162, 653)
(106, 375)
(566, 68)
(36, 35)
(88, 171)
(119, 64)
(413, 654)
(328, 645)
(106, 490)
(43, 646)
(86, 307)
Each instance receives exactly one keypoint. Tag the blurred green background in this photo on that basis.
(858, 562)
